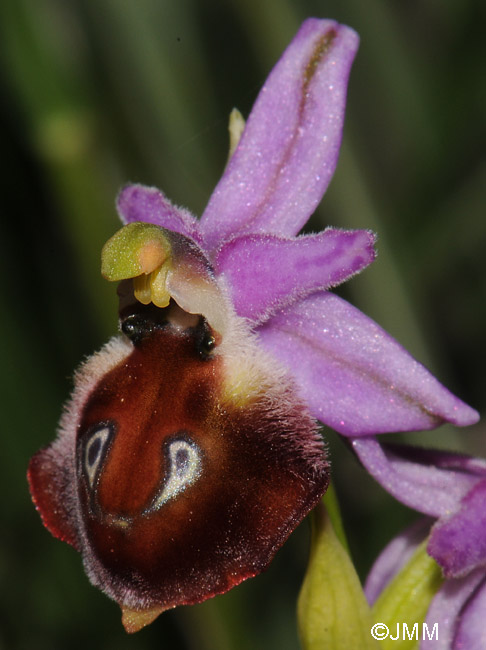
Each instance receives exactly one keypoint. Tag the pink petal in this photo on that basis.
(149, 205)
(458, 541)
(419, 485)
(471, 633)
(289, 149)
(393, 557)
(355, 377)
(289, 268)
(445, 612)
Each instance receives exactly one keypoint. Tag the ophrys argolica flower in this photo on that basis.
(190, 450)
(451, 489)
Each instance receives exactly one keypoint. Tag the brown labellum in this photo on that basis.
(182, 464)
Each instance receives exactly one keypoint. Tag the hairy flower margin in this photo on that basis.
(354, 377)
(244, 262)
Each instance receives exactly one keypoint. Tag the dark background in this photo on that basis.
(96, 93)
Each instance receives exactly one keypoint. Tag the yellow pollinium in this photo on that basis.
(143, 252)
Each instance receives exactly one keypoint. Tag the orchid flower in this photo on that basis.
(232, 348)
(450, 488)
(354, 377)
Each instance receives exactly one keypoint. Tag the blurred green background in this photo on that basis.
(96, 93)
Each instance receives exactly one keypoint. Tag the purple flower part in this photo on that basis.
(393, 557)
(290, 268)
(355, 377)
(150, 205)
(471, 632)
(444, 459)
(449, 607)
(419, 484)
(289, 148)
(458, 540)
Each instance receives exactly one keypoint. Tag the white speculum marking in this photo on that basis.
(184, 469)
(93, 453)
